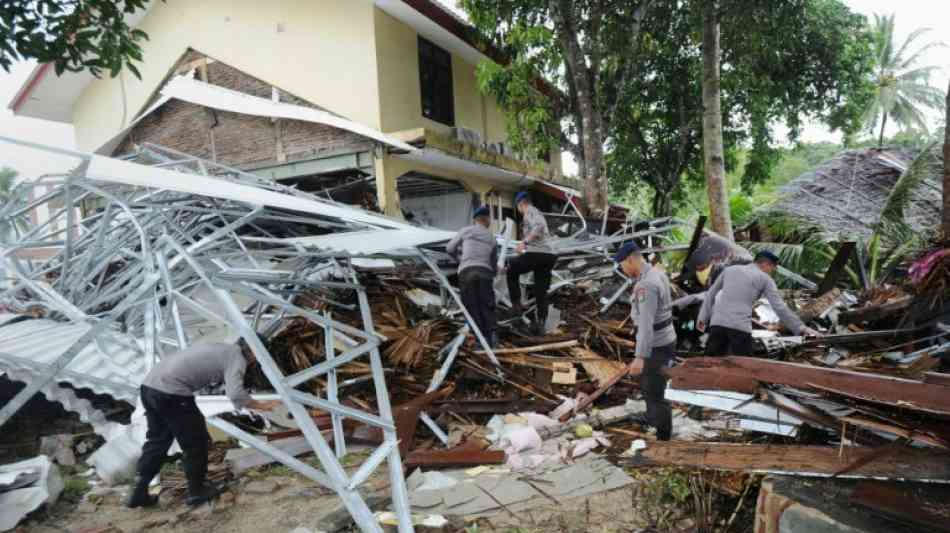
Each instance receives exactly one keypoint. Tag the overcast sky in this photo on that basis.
(911, 14)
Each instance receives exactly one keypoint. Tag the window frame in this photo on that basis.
(436, 83)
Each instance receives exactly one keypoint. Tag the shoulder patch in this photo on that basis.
(640, 294)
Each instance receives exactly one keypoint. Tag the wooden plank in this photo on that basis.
(586, 402)
(836, 268)
(455, 457)
(816, 461)
(486, 406)
(896, 430)
(532, 349)
(874, 312)
(597, 367)
(736, 373)
(903, 504)
(694, 242)
(937, 378)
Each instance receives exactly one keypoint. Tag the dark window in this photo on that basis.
(435, 78)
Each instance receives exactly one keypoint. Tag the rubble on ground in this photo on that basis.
(369, 348)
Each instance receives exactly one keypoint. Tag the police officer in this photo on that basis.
(651, 311)
(168, 395)
(730, 318)
(477, 267)
(535, 255)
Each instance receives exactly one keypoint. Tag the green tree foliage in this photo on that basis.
(902, 90)
(11, 197)
(89, 35)
(784, 61)
(586, 50)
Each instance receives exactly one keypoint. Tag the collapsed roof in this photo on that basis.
(846, 195)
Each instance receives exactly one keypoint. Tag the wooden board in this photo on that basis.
(741, 373)
(821, 461)
(597, 367)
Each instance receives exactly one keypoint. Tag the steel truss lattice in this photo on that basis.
(161, 266)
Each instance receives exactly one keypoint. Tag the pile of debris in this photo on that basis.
(365, 337)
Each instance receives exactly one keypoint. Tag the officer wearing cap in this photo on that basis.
(729, 319)
(651, 311)
(535, 255)
(477, 267)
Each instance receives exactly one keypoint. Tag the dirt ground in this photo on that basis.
(297, 502)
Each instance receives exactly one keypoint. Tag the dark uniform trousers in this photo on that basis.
(653, 387)
(478, 295)
(173, 417)
(728, 341)
(539, 263)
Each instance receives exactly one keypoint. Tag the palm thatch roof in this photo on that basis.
(845, 196)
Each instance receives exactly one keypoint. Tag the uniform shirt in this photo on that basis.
(652, 305)
(535, 225)
(478, 247)
(690, 299)
(201, 365)
(741, 286)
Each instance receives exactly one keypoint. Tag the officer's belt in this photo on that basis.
(657, 326)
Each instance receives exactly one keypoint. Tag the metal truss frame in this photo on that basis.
(151, 263)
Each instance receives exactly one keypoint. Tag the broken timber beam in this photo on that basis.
(694, 241)
(586, 402)
(902, 503)
(816, 461)
(455, 457)
(532, 349)
(742, 374)
(837, 267)
(487, 406)
(874, 312)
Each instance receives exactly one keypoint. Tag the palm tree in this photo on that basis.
(902, 86)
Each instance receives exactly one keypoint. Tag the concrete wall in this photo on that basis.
(322, 51)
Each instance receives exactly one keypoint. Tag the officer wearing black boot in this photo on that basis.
(477, 266)
(168, 395)
(652, 312)
(535, 255)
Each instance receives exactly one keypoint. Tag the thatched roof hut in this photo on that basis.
(845, 196)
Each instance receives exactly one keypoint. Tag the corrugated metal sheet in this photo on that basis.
(70, 402)
(31, 345)
(370, 241)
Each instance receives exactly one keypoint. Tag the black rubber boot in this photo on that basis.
(140, 496)
(203, 494)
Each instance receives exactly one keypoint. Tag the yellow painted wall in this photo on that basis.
(397, 57)
(321, 50)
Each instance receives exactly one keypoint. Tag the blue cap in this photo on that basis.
(625, 251)
(522, 197)
(481, 212)
(766, 256)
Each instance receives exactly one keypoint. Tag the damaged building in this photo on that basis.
(289, 174)
(303, 94)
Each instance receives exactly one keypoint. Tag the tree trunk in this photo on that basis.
(946, 173)
(880, 139)
(662, 203)
(712, 126)
(591, 118)
(595, 182)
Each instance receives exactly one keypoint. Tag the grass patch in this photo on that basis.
(74, 488)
